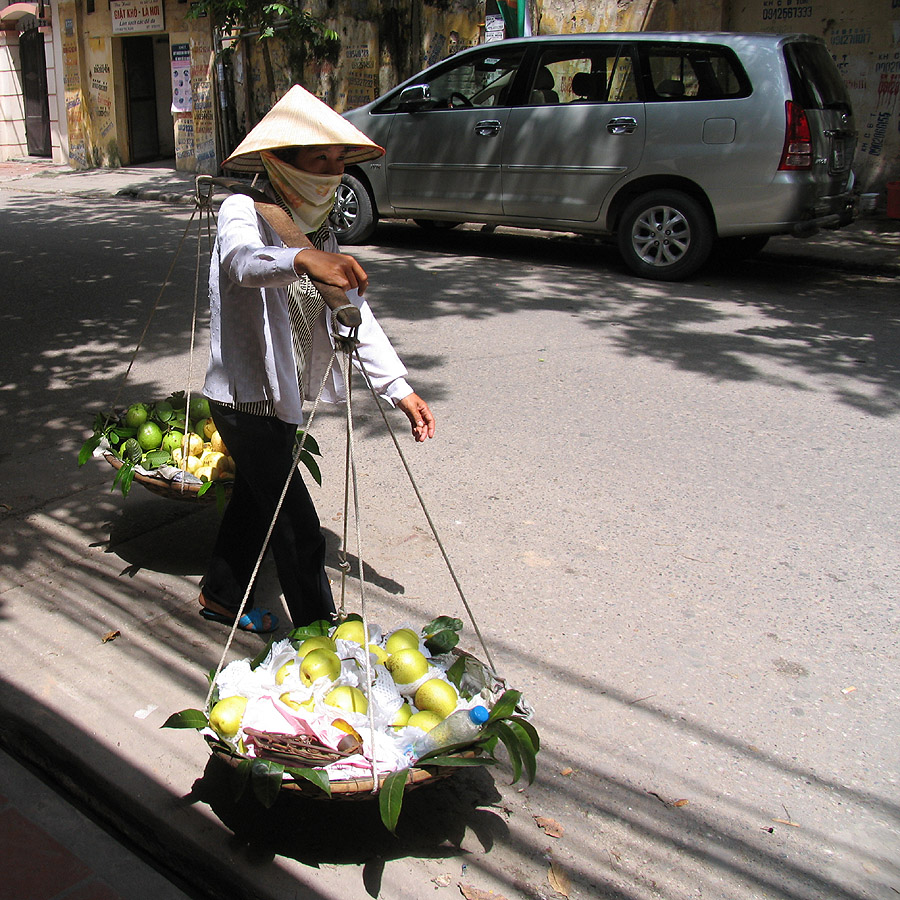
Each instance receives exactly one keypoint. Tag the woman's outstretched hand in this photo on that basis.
(333, 268)
(419, 415)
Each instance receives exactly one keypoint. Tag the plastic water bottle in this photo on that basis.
(458, 728)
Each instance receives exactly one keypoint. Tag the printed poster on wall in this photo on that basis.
(181, 78)
(136, 17)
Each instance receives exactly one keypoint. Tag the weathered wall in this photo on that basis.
(577, 16)
(93, 80)
(864, 39)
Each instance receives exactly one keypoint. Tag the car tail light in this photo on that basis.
(797, 153)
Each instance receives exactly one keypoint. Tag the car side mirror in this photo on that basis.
(414, 98)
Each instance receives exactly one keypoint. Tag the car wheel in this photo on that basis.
(744, 247)
(665, 235)
(352, 218)
(435, 224)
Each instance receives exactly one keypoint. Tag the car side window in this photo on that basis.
(479, 80)
(598, 74)
(693, 72)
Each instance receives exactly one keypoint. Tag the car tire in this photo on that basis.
(744, 247)
(353, 217)
(436, 224)
(665, 235)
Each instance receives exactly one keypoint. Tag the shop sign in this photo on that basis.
(134, 17)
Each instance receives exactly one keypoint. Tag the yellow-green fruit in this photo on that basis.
(284, 671)
(225, 717)
(438, 696)
(288, 699)
(379, 654)
(351, 630)
(318, 663)
(402, 717)
(425, 719)
(317, 642)
(401, 639)
(407, 665)
(349, 699)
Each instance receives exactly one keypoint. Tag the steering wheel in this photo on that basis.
(461, 100)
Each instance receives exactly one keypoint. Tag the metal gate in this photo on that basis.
(34, 93)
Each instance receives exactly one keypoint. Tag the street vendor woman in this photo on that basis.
(270, 345)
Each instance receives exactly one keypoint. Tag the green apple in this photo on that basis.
(225, 717)
(349, 699)
(289, 698)
(284, 671)
(407, 665)
(424, 719)
(402, 716)
(401, 639)
(437, 695)
(351, 630)
(318, 664)
(314, 643)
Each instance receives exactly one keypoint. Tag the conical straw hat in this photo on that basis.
(300, 119)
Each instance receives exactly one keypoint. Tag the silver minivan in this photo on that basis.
(668, 141)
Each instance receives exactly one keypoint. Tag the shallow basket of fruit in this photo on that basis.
(333, 712)
(171, 449)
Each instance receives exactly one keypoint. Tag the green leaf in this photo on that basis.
(319, 777)
(123, 478)
(526, 750)
(309, 445)
(187, 718)
(457, 761)
(456, 671)
(530, 730)
(442, 623)
(265, 779)
(390, 798)
(88, 448)
(313, 629)
(241, 777)
(221, 497)
(505, 706)
(442, 641)
(156, 458)
(312, 465)
(206, 486)
(260, 657)
(511, 742)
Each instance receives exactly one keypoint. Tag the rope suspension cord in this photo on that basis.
(298, 450)
(428, 518)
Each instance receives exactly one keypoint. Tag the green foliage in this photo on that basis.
(390, 798)
(187, 718)
(304, 34)
(442, 634)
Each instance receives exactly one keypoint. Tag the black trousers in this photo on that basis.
(262, 448)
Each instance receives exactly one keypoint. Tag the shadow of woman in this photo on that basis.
(433, 822)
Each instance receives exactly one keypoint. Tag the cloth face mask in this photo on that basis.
(310, 197)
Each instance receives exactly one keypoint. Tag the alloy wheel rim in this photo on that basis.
(661, 236)
(346, 209)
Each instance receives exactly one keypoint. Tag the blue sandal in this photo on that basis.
(251, 621)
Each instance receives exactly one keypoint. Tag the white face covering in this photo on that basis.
(310, 197)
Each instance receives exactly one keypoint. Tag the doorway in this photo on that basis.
(34, 93)
(147, 76)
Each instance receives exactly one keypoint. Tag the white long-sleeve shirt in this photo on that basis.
(251, 355)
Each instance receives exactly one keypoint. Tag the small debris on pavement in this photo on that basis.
(443, 880)
(549, 826)
(473, 893)
(110, 636)
(558, 879)
(848, 690)
(568, 770)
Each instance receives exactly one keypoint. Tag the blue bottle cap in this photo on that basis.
(479, 714)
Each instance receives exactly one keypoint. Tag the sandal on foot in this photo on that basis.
(251, 621)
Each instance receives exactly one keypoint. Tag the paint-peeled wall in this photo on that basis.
(864, 40)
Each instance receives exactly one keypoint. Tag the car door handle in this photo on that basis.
(487, 127)
(621, 125)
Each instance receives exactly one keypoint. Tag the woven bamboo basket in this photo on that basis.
(348, 789)
(169, 489)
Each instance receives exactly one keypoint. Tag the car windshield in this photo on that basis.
(815, 80)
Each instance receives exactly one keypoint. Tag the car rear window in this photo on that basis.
(692, 72)
(815, 80)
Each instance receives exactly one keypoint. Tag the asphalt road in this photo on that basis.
(673, 509)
